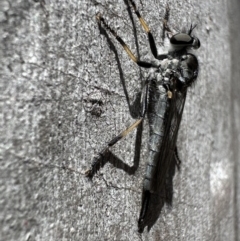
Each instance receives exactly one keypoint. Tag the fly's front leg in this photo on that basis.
(165, 28)
(120, 40)
(98, 159)
(147, 30)
(165, 23)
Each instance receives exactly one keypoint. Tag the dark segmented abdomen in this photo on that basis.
(157, 110)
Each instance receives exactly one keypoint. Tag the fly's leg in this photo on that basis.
(165, 28)
(98, 159)
(165, 22)
(176, 162)
(42, 4)
(124, 45)
(177, 159)
(147, 30)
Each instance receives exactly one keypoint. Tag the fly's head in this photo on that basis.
(187, 70)
(184, 41)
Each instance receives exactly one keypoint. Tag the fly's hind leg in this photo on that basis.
(98, 159)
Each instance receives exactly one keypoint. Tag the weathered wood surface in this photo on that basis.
(62, 97)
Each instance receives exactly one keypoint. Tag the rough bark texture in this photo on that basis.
(65, 87)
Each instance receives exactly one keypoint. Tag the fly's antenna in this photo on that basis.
(191, 28)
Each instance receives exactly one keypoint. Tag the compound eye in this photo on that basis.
(196, 43)
(181, 39)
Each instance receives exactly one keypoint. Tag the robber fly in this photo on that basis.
(162, 101)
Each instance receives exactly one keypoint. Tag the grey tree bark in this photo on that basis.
(64, 92)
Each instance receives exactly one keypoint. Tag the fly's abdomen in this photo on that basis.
(157, 112)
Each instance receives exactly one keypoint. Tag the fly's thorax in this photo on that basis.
(182, 69)
(162, 74)
(154, 76)
(168, 66)
(188, 69)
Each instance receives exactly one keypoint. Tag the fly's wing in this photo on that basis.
(152, 202)
(167, 158)
(172, 124)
